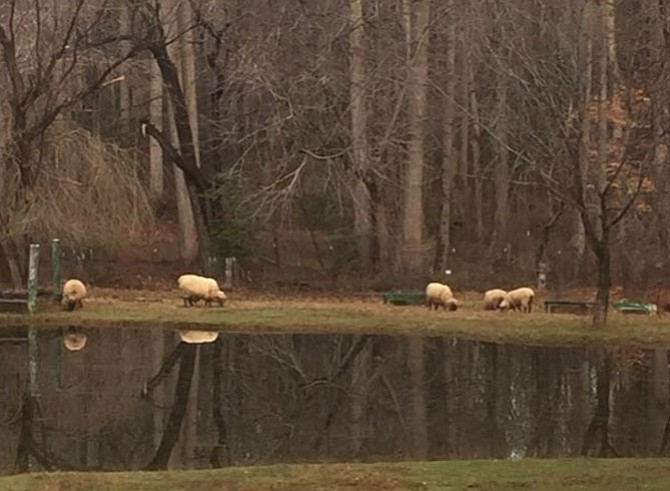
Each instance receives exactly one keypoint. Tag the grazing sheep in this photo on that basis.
(194, 288)
(73, 294)
(493, 298)
(519, 299)
(438, 295)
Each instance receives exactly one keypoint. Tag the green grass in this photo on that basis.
(349, 317)
(540, 475)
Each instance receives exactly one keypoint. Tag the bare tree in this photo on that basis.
(44, 52)
(358, 93)
(416, 23)
(449, 152)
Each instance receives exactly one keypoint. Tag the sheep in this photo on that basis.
(73, 294)
(75, 341)
(438, 295)
(197, 337)
(519, 299)
(492, 298)
(194, 288)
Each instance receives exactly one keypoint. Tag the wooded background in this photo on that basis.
(375, 143)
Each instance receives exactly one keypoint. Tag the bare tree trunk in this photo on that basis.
(449, 156)
(586, 83)
(188, 231)
(413, 218)
(124, 87)
(465, 180)
(660, 102)
(156, 117)
(12, 258)
(609, 21)
(187, 225)
(188, 69)
(501, 173)
(602, 243)
(358, 100)
(476, 158)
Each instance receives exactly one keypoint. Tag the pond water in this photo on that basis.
(138, 398)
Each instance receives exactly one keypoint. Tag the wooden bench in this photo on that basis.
(14, 305)
(583, 307)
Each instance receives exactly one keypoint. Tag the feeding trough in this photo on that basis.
(405, 298)
(631, 307)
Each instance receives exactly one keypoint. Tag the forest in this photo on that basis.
(363, 144)
(331, 152)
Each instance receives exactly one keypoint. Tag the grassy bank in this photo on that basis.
(540, 475)
(292, 315)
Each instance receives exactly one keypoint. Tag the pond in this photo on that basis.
(127, 398)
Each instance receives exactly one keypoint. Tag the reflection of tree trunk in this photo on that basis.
(417, 417)
(600, 423)
(26, 435)
(496, 401)
(221, 452)
(182, 391)
(360, 385)
(360, 347)
(547, 386)
(189, 429)
(27, 442)
(658, 396)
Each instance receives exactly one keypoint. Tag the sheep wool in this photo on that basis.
(493, 298)
(438, 295)
(195, 288)
(73, 294)
(519, 299)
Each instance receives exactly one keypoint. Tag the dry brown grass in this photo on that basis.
(257, 313)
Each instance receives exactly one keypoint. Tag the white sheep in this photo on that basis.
(519, 299)
(493, 298)
(438, 295)
(195, 287)
(73, 294)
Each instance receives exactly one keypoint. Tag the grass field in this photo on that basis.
(349, 315)
(540, 475)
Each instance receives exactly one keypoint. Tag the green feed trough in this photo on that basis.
(405, 298)
(631, 307)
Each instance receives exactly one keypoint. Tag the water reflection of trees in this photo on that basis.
(138, 399)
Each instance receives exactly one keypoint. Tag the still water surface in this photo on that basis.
(138, 398)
